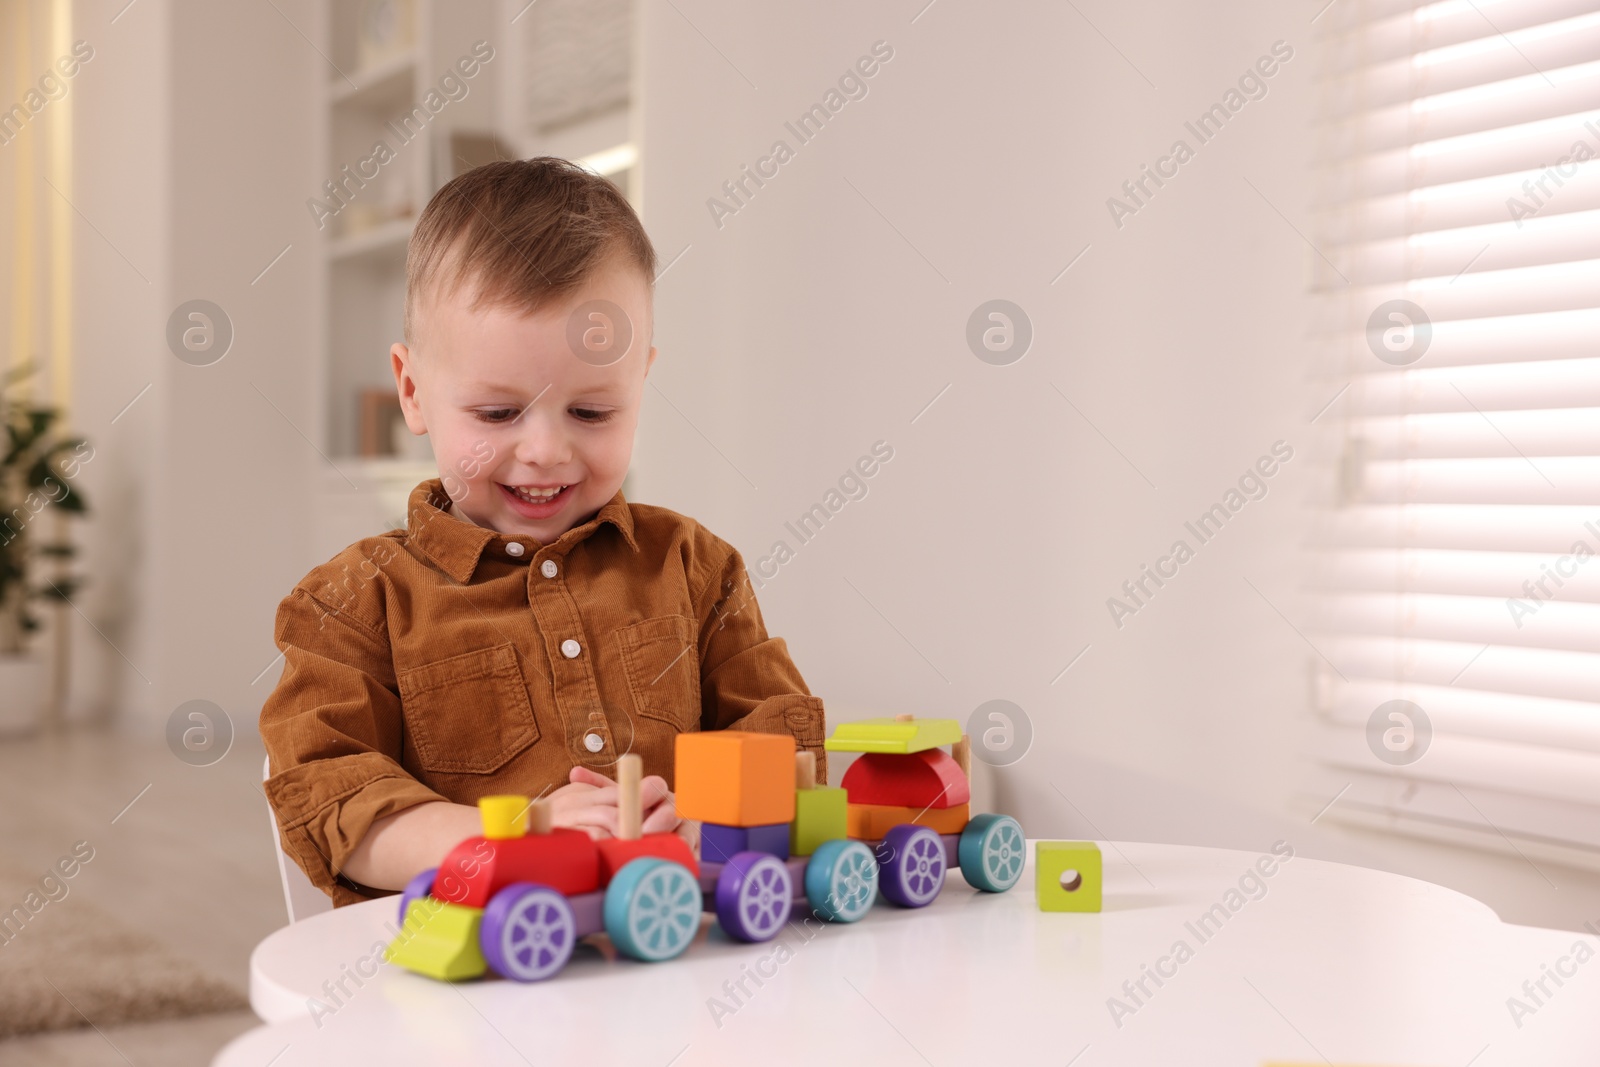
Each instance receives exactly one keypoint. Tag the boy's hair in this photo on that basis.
(524, 231)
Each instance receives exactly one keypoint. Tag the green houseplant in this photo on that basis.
(37, 468)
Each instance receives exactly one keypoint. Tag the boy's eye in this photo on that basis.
(496, 414)
(591, 414)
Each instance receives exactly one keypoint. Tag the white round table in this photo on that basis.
(1320, 962)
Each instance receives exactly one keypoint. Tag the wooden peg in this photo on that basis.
(962, 751)
(539, 817)
(630, 810)
(805, 770)
(904, 718)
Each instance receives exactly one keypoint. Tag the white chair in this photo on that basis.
(300, 898)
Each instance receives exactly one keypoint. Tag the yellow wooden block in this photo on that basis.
(893, 735)
(871, 822)
(439, 940)
(735, 778)
(503, 817)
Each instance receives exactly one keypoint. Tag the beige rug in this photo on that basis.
(72, 964)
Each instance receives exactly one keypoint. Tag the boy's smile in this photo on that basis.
(532, 434)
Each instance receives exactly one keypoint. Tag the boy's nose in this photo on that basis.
(541, 444)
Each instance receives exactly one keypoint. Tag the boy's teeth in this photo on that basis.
(536, 496)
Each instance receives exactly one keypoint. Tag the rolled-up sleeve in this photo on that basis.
(747, 680)
(333, 730)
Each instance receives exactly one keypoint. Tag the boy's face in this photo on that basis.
(514, 413)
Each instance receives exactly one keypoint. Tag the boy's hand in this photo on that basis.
(591, 799)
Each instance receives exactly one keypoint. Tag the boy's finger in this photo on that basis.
(585, 776)
(653, 790)
(605, 818)
(586, 796)
(604, 799)
(661, 820)
(689, 830)
(665, 804)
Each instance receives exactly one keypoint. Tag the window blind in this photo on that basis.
(1456, 564)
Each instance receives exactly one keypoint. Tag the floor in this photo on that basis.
(187, 850)
(184, 849)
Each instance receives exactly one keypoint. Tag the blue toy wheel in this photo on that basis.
(842, 880)
(528, 932)
(992, 852)
(652, 908)
(416, 889)
(754, 894)
(911, 865)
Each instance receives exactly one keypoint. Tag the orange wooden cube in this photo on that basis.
(735, 778)
(871, 822)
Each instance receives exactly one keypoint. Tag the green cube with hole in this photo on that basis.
(1067, 875)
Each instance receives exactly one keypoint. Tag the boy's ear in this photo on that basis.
(648, 360)
(405, 383)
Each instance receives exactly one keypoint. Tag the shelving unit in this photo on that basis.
(378, 94)
(386, 239)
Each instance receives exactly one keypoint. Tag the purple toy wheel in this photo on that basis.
(911, 864)
(528, 932)
(754, 894)
(416, 889)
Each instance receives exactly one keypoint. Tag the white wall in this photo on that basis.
(807, 327)
(193, 153)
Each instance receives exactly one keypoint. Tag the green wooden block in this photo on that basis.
(820, 815)
(1079, 862)
(891, 735)
(439, 940)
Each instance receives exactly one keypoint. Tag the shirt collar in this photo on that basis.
(456, 545)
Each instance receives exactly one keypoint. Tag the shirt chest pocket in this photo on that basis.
(468, 714)
(663, 669)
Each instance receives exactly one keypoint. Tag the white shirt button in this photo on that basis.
(571, 648)
(548, 568)
(513, 548)
(593, 742)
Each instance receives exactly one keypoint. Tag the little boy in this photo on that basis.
(529, 626)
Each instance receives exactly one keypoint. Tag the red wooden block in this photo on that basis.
(565, 860)
(927, 779)
(615, 852)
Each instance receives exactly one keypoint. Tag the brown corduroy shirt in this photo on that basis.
(447, 661)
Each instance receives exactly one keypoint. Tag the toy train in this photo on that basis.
(517, 899)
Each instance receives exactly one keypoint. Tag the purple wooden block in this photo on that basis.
(952, 851)
(773, 839)
(797, 875)
(719, 844)
(588, 912)
(709, 869)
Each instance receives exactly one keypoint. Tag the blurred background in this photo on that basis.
(1308, 289)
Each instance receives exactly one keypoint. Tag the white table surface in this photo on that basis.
(1333, 964)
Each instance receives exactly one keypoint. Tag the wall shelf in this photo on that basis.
(380, 86)
(389, 239)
